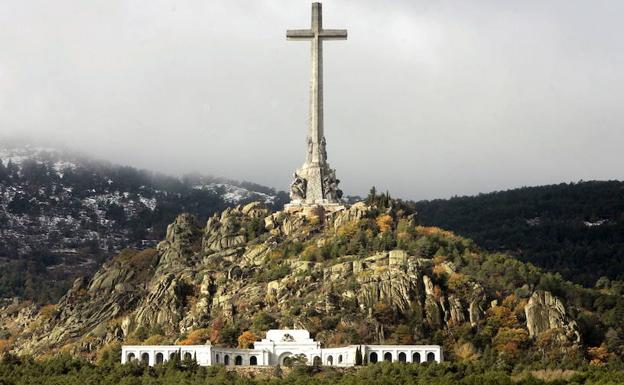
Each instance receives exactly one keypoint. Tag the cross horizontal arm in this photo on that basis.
(299, 34)
(333, 34)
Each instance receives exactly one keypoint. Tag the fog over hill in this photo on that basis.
(62, 213)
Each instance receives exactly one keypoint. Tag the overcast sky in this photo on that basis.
(426, 98)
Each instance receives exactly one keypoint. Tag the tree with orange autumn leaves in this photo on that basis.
(5, 346)
(197, 337)
(384, 222)
(246, 340)
(509, 341)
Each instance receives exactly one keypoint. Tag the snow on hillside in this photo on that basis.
(235, 194)
(66, 213)
(18, 155)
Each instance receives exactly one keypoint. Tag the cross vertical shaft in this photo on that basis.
(319, 180)
(315, 130)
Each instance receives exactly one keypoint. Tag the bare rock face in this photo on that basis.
(230, 229)
(182, 238)
(163, 305)
(292, 224)
(477, 301)
(428, 285)
(401, 282)
(392, 287)
(85, 311)
(546, 312)
(294, 221)
(254, 255)
(354, 213)
(433, 315)
(456, 310)
(105, 281)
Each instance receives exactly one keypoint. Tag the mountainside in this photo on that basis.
(368, 273)
(575, 229)
(62, 215)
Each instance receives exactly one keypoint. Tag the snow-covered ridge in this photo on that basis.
(67, 212)
(95, 213)
(18, 155)
(235, 194)
(599, 222)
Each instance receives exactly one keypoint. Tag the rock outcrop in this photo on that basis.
(352, 214)
(180, 243)
(232, 228)
(164, 304)
(249, 265)
(84, 314)
(477, 302)
(545, 312)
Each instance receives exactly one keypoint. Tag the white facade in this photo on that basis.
(281, 345)
(157, 354)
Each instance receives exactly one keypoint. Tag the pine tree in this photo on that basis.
(358, 356)
(4, 174)
(12, 170)
(372, 196)
(387, 199)
(193, 365)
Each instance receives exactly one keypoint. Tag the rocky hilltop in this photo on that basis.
(364, 273)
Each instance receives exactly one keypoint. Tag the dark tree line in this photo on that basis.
(65, 369)
(576, 229)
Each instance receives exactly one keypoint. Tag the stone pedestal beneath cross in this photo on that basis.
(315, 183)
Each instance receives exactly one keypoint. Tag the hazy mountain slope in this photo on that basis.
(575, 229)
(61, 214)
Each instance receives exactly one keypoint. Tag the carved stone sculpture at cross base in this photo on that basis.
(330, 186)
(298, 188)
(315, 182)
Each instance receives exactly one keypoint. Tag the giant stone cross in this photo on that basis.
(315, 182)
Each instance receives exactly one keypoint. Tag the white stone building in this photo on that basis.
(278, 347)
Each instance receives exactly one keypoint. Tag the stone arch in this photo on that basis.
(285, 359)
(131, 357)
(172, 356)
(330, 360)
(188, 356)
(373, 358)
(217, 358)
(388, 357)
(416, 358)
(430, 357)
(226, 360)
(316, 361)
(145, 358)
(238, 360)
(402, 357)
(253, 360)
(160, 358)
(340, 358)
